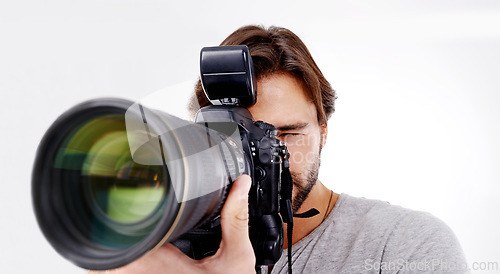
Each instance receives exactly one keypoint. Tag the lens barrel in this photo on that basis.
(102, 199)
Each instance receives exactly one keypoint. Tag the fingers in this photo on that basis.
(166, 259)
(235, 254)
(173, 258)
(234, 214)
(173, 261)
(234, 220)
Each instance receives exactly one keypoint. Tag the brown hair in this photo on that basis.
(278, 50)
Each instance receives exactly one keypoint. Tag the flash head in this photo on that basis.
(227, 75)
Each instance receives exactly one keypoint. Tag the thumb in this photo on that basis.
(234, 217)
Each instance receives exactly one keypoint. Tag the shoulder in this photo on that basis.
(406, 235)
(380, 215)
(384, 215)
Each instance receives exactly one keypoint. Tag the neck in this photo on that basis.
(318, 198)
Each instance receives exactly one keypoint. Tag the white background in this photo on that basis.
(417, 120)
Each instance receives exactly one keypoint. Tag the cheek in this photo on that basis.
(304, 151)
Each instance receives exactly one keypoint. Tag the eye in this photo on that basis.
(288, 134)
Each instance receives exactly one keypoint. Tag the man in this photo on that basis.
(350, 235)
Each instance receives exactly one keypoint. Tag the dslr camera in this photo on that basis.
(113, 179)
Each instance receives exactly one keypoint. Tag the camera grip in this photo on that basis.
(266, 235)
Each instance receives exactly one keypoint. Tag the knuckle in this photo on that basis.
(235, 222)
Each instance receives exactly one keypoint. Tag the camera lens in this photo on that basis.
(119, 195)
(102, 204)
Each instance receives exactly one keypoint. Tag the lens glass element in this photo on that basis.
(115, 201)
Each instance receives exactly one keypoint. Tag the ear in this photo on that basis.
(324, 134)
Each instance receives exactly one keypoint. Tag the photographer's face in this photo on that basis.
(283, 102)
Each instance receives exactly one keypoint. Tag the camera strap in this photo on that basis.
(286, 208)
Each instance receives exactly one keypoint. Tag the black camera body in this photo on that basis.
(229, 83)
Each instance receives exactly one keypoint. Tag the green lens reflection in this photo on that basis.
(117, 189)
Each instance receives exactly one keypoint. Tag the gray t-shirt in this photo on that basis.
(370, 236)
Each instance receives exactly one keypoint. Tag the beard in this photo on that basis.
(303, 186)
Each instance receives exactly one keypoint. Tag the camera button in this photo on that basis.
(261, 173)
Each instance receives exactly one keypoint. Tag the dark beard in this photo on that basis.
(298, 184)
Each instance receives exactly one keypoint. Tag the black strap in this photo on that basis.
(286, 196)
(289, 236)
(308, 214)
(286, 208)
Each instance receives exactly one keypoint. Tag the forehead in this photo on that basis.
(282, 100)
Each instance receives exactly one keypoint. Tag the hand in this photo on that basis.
(235, 254)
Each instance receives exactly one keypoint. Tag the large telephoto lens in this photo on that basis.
(113, 180)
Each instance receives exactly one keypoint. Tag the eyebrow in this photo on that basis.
(296, 126)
